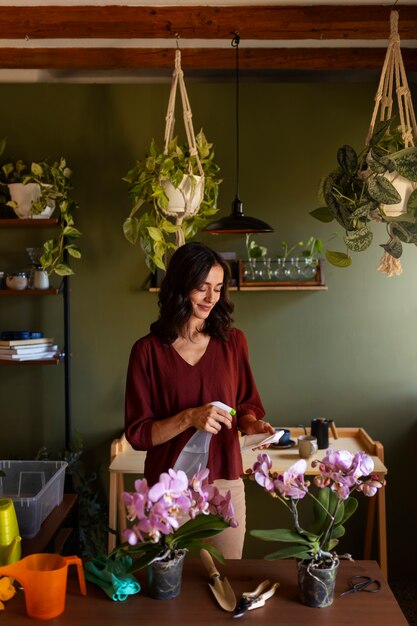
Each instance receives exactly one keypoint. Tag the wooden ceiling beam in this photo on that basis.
(204, 22)
(200, 59)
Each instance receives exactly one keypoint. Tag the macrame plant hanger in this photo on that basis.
(393, 71)
(178, 80)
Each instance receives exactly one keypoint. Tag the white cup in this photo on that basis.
(307, 446)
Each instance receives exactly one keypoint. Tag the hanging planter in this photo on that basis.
(186, 198)
(178, 186)
(379, 184)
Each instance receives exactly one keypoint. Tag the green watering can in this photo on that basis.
(10, 548)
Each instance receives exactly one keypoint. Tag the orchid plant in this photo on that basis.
(174, 514)
(340, 475)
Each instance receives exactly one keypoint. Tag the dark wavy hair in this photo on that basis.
(187, 270)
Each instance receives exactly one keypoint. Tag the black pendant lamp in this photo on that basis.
(237, 221)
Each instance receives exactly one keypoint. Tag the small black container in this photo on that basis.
(320, 429)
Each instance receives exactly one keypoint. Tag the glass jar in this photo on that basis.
(17, 280)
(265, 270)
(292, 269)
(309, 268)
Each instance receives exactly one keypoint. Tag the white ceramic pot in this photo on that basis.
(404, 187)
(24, 196)
(186, 197)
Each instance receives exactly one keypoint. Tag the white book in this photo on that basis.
(42, 356)
(249, 442)
(47, 347)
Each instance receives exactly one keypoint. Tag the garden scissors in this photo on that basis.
(362, 583)
(254, 599)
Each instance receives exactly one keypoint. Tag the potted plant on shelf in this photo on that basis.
(181, 197)
(377, 185)
(161, 535)
(340, 474)
(40, 190)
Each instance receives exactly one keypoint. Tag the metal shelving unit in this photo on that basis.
(64, 291)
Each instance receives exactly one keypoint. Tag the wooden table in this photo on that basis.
(125, 460)
(196, 604)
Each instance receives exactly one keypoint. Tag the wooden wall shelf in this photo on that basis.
(56, 361)
(317, 284)
(30, 223)
(52, 291)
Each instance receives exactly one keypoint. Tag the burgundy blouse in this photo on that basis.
(160, 384)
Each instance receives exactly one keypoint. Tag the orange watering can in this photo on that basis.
(44, 580)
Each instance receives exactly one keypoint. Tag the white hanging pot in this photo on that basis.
(405, 188)
(187, 197)
(24, 196)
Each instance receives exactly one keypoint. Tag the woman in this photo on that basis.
(191, 358)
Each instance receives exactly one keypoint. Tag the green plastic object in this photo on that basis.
(10, 548)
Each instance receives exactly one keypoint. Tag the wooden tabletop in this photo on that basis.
(196, 604)
(353, 439)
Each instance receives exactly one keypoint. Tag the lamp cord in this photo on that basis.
(235, 44)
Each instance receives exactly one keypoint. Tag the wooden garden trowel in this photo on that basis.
(221, 589)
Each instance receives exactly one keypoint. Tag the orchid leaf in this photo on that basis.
(281, 534)
(297, 552)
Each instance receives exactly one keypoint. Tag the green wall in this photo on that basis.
(348, 354)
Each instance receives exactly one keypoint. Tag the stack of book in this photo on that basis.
(28, 349)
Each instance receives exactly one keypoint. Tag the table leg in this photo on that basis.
(112, 510)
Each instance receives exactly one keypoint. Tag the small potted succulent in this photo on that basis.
(173, 174)
(377, 185)
(41, 190)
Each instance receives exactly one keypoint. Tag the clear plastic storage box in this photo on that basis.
(36, 487)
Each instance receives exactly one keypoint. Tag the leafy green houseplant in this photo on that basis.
(361, 191)
(51, 184)
(159, 229)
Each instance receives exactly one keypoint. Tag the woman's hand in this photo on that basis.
(251, 426)
(210, 418)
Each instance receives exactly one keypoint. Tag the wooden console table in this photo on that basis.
(125, 460)
(196, 604)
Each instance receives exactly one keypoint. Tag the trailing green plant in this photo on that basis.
(253, 250)
(355, 193)
(155, 230)
(54, 181)
(312, 246)
(92, 513)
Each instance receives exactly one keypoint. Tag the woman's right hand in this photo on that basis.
(210, 418)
